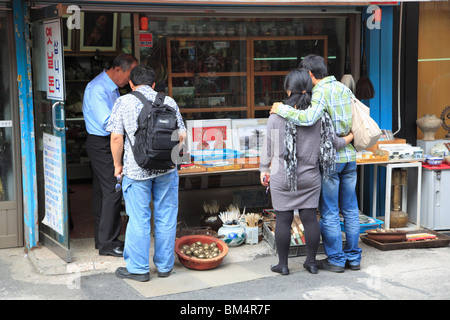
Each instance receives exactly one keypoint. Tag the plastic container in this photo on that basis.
(294, 250)
(366, 226)
(215, 154)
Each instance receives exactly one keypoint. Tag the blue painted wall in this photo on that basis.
(26, 123)
(379, 49)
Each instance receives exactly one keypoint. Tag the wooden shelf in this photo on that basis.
(209, 74)
(253, 96)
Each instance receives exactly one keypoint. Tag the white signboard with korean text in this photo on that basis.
(53, 183)
(54, 60)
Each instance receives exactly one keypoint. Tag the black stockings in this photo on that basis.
(283, 234)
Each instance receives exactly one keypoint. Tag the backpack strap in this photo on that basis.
(145, 112)
(146, 109)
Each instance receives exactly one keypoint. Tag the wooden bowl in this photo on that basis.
(388, 236)
(196, 263)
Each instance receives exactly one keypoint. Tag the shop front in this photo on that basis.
(11, 225)
(223, 63)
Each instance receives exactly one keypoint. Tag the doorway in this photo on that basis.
(11, 225)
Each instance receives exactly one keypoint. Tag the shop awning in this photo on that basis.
(239, 2)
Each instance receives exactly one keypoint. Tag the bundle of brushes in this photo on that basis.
(252, 219)
(212, 207)
(230, 217)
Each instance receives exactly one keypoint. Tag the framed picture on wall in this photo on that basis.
(209, 134)
(249, 135)
(98, 31)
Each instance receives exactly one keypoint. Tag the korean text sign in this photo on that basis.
(54, 60)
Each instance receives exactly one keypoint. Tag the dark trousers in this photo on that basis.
(106, 202)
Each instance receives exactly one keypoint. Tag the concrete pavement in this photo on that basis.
(417, 274)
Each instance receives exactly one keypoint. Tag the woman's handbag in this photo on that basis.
(365, 130)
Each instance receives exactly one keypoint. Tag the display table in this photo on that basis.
(389, 165)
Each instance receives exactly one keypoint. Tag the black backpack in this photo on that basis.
(156, 123)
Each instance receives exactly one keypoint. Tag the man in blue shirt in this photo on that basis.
(99, 97)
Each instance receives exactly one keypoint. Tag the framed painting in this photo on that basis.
(98, 31)
(249, 135)
(209, 134)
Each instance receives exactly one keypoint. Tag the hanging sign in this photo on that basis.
(53, 183)
(54, 60)
(145, 40)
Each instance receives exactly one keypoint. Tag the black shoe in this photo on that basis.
(311, 268)
(164, 274)
(123, 273)
(115, 252)
(284, 270)
(352, 266)
(325, 265)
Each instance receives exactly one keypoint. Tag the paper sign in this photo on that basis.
(54, 60)
(53, 183)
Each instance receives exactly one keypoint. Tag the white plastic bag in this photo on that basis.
(365, 130)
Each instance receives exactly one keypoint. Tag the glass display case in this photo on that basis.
(208, 74)
(226, 75)
(272, 59)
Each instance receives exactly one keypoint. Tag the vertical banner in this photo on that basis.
(53, 183)
(54, 60)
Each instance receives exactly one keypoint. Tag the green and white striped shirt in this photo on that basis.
(329, 95)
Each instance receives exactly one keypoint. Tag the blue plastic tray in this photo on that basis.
(366, 226)
(215, 154)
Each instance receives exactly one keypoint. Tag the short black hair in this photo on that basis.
(316, 64)
(124, 61)
(142, 74)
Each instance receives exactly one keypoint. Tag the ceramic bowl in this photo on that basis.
(435, 161)
(197, 263)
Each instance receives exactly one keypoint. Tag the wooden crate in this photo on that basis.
(376, 157)
(396, 140)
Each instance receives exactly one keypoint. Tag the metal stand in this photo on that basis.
(387, 205)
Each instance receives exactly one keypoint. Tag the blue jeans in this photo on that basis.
(338, 194)
(138, 194)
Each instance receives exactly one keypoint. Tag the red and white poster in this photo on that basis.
(146, 40)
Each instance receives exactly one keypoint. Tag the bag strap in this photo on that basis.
(145, 112)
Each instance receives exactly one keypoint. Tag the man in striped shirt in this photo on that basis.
(338, 194)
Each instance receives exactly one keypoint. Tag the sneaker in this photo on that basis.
(123, 273)
(352, 265)
(325, 265)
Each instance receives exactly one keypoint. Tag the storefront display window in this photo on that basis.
(234, 67)
(7, 182)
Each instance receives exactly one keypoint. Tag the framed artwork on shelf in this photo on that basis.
(209, 134)
(98, 31)
(249, 135)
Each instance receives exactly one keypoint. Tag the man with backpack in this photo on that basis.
(140, 185)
